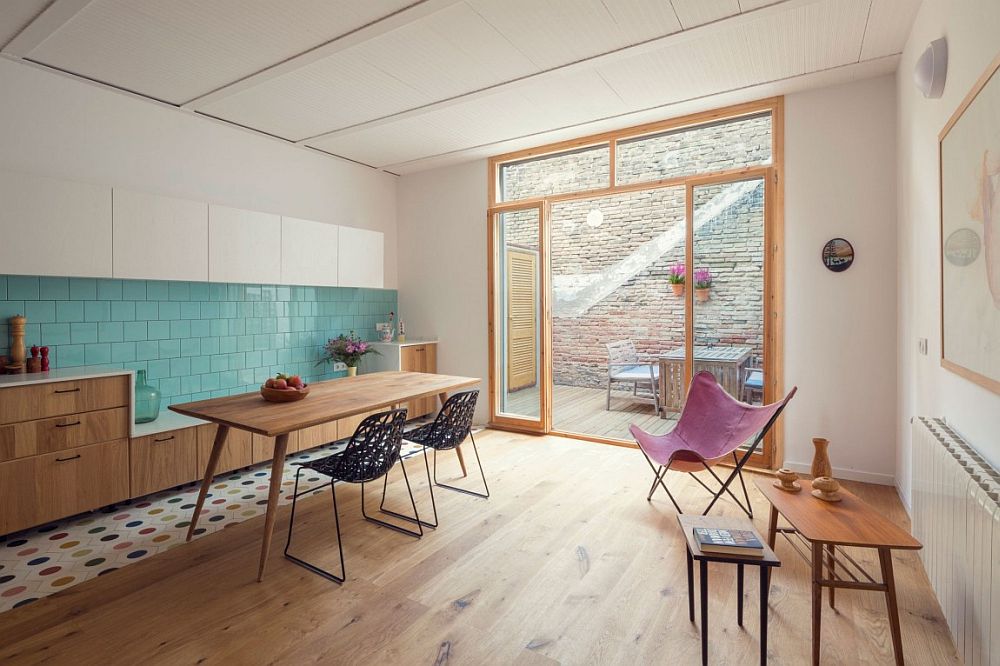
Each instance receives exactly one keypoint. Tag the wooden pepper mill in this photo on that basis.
(17, 351)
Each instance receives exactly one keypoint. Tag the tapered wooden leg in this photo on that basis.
(213, 462)
(274, 491)
(443, 397)
(831, 564)
(817, 599)
(885, 561)
(772, 528)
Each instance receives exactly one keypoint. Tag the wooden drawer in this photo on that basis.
(238, 451)
(347, 426)
(40, 401)
(419, 358)
(263, 447)
(41, 488)
(163, 460)
(29, 438)
(318, 435)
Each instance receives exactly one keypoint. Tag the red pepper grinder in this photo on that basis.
(45, 359)
(34, 364)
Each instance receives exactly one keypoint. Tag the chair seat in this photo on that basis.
(636, 372)
(755, 379)
(419, 435)
(328, 466)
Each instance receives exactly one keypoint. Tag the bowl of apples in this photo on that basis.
(284, 388)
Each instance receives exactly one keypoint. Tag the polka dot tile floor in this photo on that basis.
(44, 560)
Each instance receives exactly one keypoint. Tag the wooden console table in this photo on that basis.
(327, 401)
(820, 530)
(726, 363)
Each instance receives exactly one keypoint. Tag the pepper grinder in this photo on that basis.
(45, 359)
(17, 351)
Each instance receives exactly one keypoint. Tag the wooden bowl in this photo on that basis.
(284, 395)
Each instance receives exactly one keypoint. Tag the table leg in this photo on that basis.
(213, 462)
(443, 397)
(690, 567)
(817, 599)
(739, 594)
(704, 610)
(277, 472)
(885, 561)
(764, 577)
(831, 564)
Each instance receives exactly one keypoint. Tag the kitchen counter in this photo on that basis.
(409, 342)
(61, 375)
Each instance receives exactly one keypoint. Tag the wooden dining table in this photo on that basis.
(327, 401)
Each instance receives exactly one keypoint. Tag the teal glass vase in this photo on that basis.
(147, 399)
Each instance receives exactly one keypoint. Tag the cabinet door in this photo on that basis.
(243, 245)
(419, 358)
(163, 460)
(29, 438)
(70, 222)
(309, 252)
(318, 435)
(346, 426)
(236, 453)
(159, 238)
(263, 447)
(360, 262)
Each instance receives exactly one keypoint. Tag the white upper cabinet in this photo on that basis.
(243, 246)
(50, 226)
(361, 258)
(159, 238)
(308, 252)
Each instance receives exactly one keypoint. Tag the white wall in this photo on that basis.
(54, 125)
(840, 329)
(926, 389)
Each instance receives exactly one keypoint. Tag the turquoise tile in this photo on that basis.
(180, 366)
(55, 334)
(22, 288)
(97, 354)
(244, 376)
(219, 363)
(209, 346)
(3, 287)
(134, 365)
(158, 369)
(283, 294)
(134, 290)
(82, 289)
(218, 292)
(134, 331)
(261, 375)
(210, 310)
(237, 327)
(252, 359)
(228, 379)
(179, 291)
(157, 290)
(109, 290)
(227, 344)
(210, 381)
(170, 310)
(70, 356)
(158, 330)
(253, 292)
(110, 331)
(199, 291)
(190, 384)
(32, 334)
(190, 346)
(237, 292)
(97, 311)
(202, 395)
(170, 348)
(261, 342)
(200, 365)
(268, 357)
(53, 288)
(244, 343)
(190, 310)
(40, 312)
(237, 360)
(219, 327)
(180, 328)
(123, 352)
(269, 325)
(244, 310)
(122, 311)
(147, 310)
(69, 311)
(200, 328)
(170, 386)
(81, 332)
(146, 350)
(228, 309)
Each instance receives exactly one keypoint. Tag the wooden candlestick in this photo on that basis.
(787, 481)
(17, 351)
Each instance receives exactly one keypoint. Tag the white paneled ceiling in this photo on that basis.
(398, 84)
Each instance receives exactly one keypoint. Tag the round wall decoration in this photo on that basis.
(962, 247)
(838, 255)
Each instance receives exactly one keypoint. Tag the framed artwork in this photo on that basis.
(838, 255)
(969, 154)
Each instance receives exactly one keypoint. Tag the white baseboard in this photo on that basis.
(847, 474)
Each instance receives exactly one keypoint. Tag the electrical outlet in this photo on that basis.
(382, 326)
(922, 346)
(339, 367)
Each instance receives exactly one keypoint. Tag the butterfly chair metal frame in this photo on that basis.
(691, 456)
(372, 452)
(448, 431)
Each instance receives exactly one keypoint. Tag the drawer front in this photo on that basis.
(163, 460)
(318, 435)
(238, 451)
(411, 359)
(41, 488)
(29, 438)
(40, 401)
(263, 447)
(346, 426)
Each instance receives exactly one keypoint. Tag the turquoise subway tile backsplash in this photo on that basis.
(196, 340)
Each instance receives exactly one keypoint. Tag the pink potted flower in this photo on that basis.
(702, 284)
(346, 349)
(676, 279)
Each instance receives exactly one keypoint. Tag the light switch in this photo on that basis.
(922, 346)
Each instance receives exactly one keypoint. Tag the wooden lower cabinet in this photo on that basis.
(163, 460)
(263, 447)
(347, 426)
(39, 401)
(318, 435)
(45, 487)
(30, 438)
(237, 452)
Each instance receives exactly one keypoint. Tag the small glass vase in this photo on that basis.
(147, 399)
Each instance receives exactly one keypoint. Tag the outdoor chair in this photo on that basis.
(712, 426)
(625, 366)
(753, 385)
(371, 453)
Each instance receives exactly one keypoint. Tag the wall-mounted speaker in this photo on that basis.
(932, 69)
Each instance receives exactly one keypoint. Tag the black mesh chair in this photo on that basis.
(371, 453)
(452, 425)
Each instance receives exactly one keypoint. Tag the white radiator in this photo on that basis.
(956, 515)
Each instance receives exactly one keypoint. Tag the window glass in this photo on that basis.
(573, 171)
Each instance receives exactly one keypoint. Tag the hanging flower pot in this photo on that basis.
(676, 279)
(678, 288)
(702, 284)
(702, 294)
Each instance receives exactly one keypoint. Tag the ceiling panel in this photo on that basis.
(181, 49)
(698, 12)
(888, 27)
(16, 14)
(748, 5)
(558, 32)
(447, 53)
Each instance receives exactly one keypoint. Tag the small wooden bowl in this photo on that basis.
(284, 395)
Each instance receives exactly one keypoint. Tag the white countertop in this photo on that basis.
(409, 342)
(61, 375)
(167, 420)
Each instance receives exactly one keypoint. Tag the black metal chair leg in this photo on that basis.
(402, 530)
(410, 519)
(659, 479)
(652, 486)
(739, 471)
(340, 545)
(481, 472)
(725, 489)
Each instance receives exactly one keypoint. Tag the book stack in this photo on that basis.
(728, 542)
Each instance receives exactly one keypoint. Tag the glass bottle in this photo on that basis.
(147, 399)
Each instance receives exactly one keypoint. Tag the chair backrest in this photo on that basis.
(374, 447)
(622, 352)
(453, 422)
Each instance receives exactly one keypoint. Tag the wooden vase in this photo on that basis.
(821, 459)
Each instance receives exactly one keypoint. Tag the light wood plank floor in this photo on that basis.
(567, 563)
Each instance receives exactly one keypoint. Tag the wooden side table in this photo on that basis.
(694, 553)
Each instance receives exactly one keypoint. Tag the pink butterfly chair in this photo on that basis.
(712, 426)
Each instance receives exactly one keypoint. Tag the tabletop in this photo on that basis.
(849, 522)
(327, 401)
(688, 522)
(723, 354)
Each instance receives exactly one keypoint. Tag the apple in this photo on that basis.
(295, 381)
(269, 383)
(280, 384)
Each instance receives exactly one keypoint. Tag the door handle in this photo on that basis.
(67, 425)
(163, 439)
(73, 390)
(68, 459)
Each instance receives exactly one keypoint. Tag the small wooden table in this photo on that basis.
(726, 363)
(816, 526)
(327, 401)
(694, 552)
